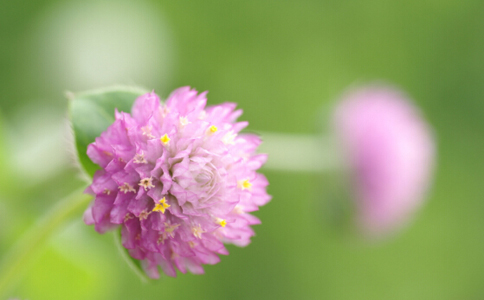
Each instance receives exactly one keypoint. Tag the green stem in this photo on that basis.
(20, 255)
(301, 152)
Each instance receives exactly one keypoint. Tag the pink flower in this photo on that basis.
(391, 154)
(179, 179)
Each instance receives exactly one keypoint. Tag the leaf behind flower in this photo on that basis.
(92, 112)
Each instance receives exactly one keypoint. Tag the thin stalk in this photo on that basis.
(300, 153)
(21, 254)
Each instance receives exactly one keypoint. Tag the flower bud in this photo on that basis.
(390, 153)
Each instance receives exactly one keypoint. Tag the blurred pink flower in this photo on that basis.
(390, 150)
(179, 179)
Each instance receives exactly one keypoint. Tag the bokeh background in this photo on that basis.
(282, 61)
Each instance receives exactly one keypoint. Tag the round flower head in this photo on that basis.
(391, 155)
(179, 179)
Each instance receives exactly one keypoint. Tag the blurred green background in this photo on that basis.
(281, 61)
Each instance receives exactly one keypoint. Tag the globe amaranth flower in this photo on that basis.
(391, 153)
(179, 179)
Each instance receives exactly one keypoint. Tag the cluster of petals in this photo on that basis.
(391, 152)
(179, 179)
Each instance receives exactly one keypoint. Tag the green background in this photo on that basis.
(281, 61)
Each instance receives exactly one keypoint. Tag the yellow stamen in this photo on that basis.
(139, 158)
(197, 231)
(126, 187)
(184, 121)
(161, 205)
(229, 138)
(223, 223)
(212, 129)
(128, 217)
(165, 139)
(244, 184)
(169, 228)
(147, 183)
(238, 210)
(144, 215)
(146, 130)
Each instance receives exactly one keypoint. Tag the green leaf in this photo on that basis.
(92, 112)
(134, 264)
